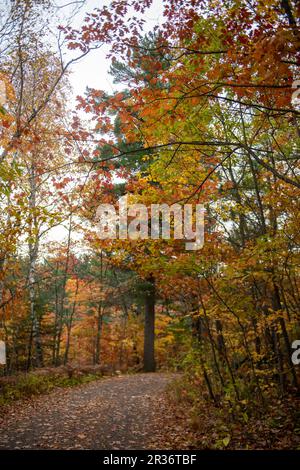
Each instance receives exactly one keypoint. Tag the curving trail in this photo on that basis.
(114, 413)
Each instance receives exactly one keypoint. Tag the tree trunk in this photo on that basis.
(70, 324)
(60, 317)
(33, 248)
(99, 333)
(149, 334)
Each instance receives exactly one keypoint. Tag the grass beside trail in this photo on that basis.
(30, 384)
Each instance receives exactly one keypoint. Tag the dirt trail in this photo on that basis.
(114, 413)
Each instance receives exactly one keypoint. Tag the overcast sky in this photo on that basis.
(92, 70)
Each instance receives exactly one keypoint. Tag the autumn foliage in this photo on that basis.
(206, 112)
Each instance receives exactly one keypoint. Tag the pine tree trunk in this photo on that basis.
(98, 334)
(149, 358)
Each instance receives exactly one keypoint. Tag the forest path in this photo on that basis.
(122, 412)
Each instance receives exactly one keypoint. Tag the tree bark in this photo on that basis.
(98, 334)
(149, 333)
(70, 324)
(33, 248)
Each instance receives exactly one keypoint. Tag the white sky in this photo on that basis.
(92, 70)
